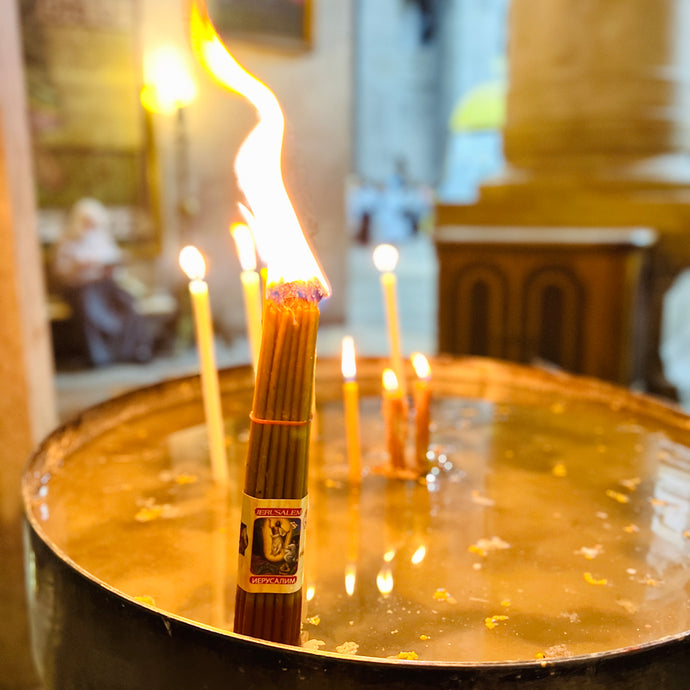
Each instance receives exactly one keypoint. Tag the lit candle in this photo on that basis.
(251, 287)
(394, 419)
(422, 398)
(386, 259)
(276, 471)
(351, 401)
(260, 245)
(192, 264)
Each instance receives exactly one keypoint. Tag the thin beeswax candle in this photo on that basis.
(351, 405)
(422, 399)
(394, 419)
(251, 287)
(192, 263)
(386, 259)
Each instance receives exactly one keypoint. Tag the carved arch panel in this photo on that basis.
(553, 316)
(481, 308)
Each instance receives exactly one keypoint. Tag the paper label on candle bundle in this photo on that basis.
(272, 536)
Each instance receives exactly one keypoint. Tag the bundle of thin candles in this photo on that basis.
(277, 463)
(274, 505)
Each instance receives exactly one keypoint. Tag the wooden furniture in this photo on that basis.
(571, 297)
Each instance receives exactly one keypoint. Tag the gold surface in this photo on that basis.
(555, 524)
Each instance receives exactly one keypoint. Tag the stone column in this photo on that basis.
(597, 130)
(599, 90)
(27, 402)
(27, 399)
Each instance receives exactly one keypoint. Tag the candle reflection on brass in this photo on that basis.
(384, 580)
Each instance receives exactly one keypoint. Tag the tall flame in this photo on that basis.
(257, 164)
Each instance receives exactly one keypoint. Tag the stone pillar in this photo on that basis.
(27, 398)
(27, 402)
(599, 93)
(597, 131)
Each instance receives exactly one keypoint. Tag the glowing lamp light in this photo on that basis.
(168, 84)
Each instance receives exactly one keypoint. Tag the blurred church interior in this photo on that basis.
(533, 155)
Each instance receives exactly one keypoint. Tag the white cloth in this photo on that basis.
(86, 258)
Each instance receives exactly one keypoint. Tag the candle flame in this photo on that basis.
(257, 164)
(311, 591)
(192, 263)
(389, 555)
(390, 381)
(257, 236)
(350, 579)
(348, 364)
(421, 366)
(384, 581)
(419, 555)
(244, 243)
(386, 258)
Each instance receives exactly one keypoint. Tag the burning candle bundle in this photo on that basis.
(269, 592)
(268, 600)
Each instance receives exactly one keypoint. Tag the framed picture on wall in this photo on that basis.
(91, 137)
(285, 24)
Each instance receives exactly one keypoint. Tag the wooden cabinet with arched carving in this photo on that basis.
(571, 297)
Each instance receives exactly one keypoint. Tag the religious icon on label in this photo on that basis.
(276, 542)
(272, 545)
